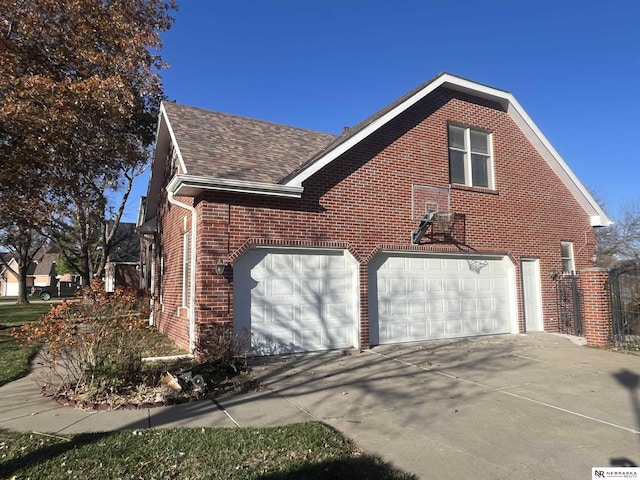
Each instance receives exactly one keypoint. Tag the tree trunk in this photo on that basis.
(22, 285)
(85, 265)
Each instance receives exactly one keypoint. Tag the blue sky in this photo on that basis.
(574, 66)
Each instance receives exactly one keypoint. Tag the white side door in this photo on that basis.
(532, 295)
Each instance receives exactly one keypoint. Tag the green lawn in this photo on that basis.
(302, 451)
(15, 315)
(15, 361)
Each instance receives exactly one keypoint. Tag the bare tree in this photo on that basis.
(620, 241)
(89, 232)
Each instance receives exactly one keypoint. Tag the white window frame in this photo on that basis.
(467, 152)
(567, 260)
(186, 268)
(161, 276)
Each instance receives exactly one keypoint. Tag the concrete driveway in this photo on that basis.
(519, 407)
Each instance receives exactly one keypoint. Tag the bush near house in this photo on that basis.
(309, 450)
(94, 348)
(97, 342)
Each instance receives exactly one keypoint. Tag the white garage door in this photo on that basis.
(12, 289)
(296, 301)
(431, 297)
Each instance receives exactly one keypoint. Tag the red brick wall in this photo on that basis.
(362, 201)
(127, 276)
(169, 315)
(597, 316)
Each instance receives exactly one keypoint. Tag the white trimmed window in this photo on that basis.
(470, 157)
(566, 252)
(186, 268)
(161, 275)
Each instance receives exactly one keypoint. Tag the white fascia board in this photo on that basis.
(598, 217)
(331, 155)
(176, 147)
(192, 185)
(446, 80)
(601, 221)
(164, 139)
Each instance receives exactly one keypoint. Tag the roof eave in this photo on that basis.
(165, 137)
(507, 102)
(443, 80)
(601, 221)
(192, 185)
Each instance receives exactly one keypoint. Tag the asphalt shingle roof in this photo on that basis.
(219, 145)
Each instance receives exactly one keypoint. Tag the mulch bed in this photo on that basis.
(218, 381)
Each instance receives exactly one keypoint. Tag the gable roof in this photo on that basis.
(44, 264)
(221, 143)
(241, 154)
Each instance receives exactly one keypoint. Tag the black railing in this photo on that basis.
(569, 303)
(624, 282)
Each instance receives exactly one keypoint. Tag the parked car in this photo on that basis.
(63, 289)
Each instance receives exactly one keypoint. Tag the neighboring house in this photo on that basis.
(41, 272)
(147, 233)
(6, 257)
(446, 214)
(122, 265)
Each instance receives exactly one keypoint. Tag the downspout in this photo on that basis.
(192, 270)
(152, 280)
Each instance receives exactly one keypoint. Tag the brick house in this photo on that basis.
(446, 214)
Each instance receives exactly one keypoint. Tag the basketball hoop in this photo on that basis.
(476, 265)
(444, 220)
(431, 206)
(429, 198)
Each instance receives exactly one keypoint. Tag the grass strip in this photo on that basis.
(307, 450)
(13, 315)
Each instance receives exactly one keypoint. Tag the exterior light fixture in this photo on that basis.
(220, 266)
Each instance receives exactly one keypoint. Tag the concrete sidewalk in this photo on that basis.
(23, 409)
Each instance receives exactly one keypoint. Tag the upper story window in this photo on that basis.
(470, 157)
(566, 252)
